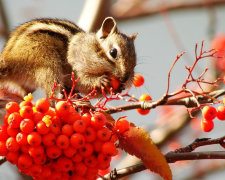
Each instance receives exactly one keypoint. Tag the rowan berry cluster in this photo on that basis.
(209, 113)
(59, 143)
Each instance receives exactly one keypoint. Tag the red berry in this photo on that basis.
(109, 148)
(98, 120)
(98, 145)
(12, 145)
(65, 164)
(207, 125)
(3, 149)
(3, 133)
(27, 126)
(77, 140)
(144, 97)
(209, 113)
(26, 103)
(36, 151)
(12, 157)
(114, 82)
(37, 116)
(62, 141)
(5, 118)
(86, 118)
(86, 150)
(67, 130)
(53, 152)
(12, 107)
(79, 126)
(21, 138)
(103, 159)
(34, 139)
(69, 152)
(90, 161)
(14, 120)
(41, 160)
(36, 170)
(77, 158)
(138, 80)
(12, 131)
(104, 134)
(55, 129)
(24, 161)
(71, 117)
(221, 112)
(80, 169)
(122, 125)
(90, 134)
(42, 105)
(62, 108)
(42, 128)
(49, 139)
(26, 112)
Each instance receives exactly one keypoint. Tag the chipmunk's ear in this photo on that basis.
(133, 36)
(109, 26)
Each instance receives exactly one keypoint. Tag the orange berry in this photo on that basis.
(86, 118)
(62, 141)
(42, 105)
(49, 139)
(209, 113)
(104, 134)
(24, 161)
(144, 97)
(36, 151)
(103, 159)
(90, 134)
(114, 82)
(3, 149)
(138, 80)
(26, 112)
(27, 126)
(3, 133)
(12, 131)
(98, 120)
(21, 138)
(71, 117)
(122, 125)
(221, 112)
(12, 107)
(53, 152)
(207, 125)
(34, 139)
(69, 152)
(12, 157)
(42, 128)
(62, 108)
(37, 116)
(5, 118)
(86, 150)
(109, 148)
(14, 120)
(77, 140)
(67, 130)
(26, 103)
(79, 126)
(55, 129)
(65, 164)
(12, 145)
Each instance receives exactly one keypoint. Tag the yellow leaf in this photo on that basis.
(136, 141)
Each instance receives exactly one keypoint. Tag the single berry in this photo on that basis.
(12, 157)
(98, 145)
(209, 113)
(69, 152)
(86, 150)
(36, 151)
(53, 152)
(12, 131)
(12, 107)
(207, 125)
(138, 80)
(144, 97)
(34, 139)
(77, 158)
(90, 134)
(122, 125)
(21, 138)
(62, 108)
(114, 82)
(42, 128)
(65, 164)
(80, 169)
(79, 126)
(77, 140)
(62, 141)
(90, 161)
(42, 105)
(221, 112)
(98, 120)
(24, 161)
(26, 103)
(27, 126)
(109, 148)
(104, 134)
(26, 112)
(49, 139)
(14, 120)
(3, 133)
(67, 130)
(86, 118)
(37, 116)
(12, 145)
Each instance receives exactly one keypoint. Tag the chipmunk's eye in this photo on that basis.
(113, 52)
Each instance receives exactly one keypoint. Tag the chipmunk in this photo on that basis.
(43, 51)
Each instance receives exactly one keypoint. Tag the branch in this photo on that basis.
(122, 11)
(181, 154)
(187, 101)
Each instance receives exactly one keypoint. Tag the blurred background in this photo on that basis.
(165, 28)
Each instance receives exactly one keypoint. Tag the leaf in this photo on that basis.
(136, 141)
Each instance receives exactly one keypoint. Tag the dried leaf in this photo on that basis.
(136, 141)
